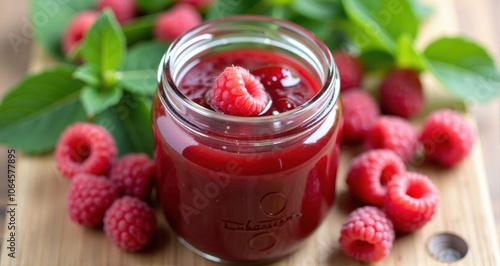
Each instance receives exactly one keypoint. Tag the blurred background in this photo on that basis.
(478, 20)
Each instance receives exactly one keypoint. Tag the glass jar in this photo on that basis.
(246, 189)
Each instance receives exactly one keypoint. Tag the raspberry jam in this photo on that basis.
(247, 189)
(287, 84)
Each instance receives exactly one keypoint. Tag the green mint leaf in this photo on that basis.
(130, 124)
(321, 18)
(281, 2)
(320, 28)
(35, 112)
(104, 43)
(379, 23)
(407, 55)
(223, 8)
(88, 74)
(139, 29)
(314, 9)
(139, 72)
(151, 6)
(278, 11)
(96, 100)
(377, 60)
(48, 20)
(464, 67)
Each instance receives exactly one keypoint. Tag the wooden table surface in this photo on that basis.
(478, 21)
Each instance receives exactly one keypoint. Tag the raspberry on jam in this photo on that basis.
(237, 92)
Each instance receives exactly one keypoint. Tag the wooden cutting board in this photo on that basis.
(46, 236)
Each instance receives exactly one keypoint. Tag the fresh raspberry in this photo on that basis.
(130, 223)
(370, 172)
(84, 148)
(237, 92)
(197, 3)
(89, 197)
(350, 70)
(123, 9)
(132, 174)
(446, 137)
(367, 235)
(76, 30)
(401, 93)
(393, 133)
(360, 111)
(176, 21)
(411, 201)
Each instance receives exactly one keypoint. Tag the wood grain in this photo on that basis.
(47, 237)
(13, 66)
(481, 22)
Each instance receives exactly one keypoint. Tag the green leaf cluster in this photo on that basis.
(50, 18)
(114, 86)
(386, 29)
(383, 33)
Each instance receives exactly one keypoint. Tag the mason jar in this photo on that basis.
(245, 189)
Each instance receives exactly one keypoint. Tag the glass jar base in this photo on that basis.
(223, 261)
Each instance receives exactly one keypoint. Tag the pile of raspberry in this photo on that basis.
(106, 190)
(397, 200)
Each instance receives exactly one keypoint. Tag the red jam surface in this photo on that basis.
(246, 206)
(287, 84)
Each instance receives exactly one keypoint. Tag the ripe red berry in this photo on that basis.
(446, 137)
(411, 201)
(89, 197)
(237, 92)
(123, 9)
(350, 70)
(360, 111)
(84, 148)
(393, 133)
(401, 93)
(367, 235)
(176, 21)
(76, 30)
(370, 172)
(130, 223)
(132, 174)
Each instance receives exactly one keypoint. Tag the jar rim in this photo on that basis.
(164, 77)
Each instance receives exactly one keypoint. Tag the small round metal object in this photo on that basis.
(447, 247)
